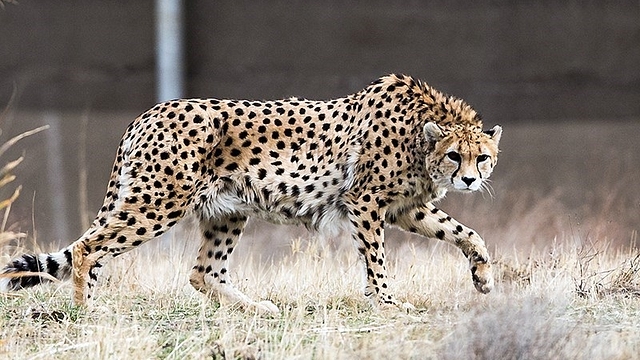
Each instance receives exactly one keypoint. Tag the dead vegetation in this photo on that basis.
(10, 192)
(146, 309)
(593, 281)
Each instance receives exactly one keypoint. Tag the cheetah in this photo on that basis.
(382, 156)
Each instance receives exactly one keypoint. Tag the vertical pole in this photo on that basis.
(56, 179)
(169, 50)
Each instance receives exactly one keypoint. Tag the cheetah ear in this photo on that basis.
(432, 132)
(495, 133)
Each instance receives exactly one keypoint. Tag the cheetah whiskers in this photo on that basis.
(487, 188)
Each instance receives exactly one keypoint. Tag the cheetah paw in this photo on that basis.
(482, 277)
(266, 307)
(394, 306)
(407, 307)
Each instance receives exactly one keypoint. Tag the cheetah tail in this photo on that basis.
(30, 270)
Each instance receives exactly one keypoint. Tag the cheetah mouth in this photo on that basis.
(465, 189)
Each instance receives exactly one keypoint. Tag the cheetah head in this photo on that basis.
(461, 157)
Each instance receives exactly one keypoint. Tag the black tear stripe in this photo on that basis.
(478, 168)
(453, 176)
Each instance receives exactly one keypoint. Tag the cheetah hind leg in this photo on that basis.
(210, 275)
(229, 294)
(100, 243)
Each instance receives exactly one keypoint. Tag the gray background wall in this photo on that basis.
(86, 68)
(515, 60)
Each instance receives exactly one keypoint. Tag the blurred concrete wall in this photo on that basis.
(514, 60)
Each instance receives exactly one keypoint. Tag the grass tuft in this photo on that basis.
(621, 279)
(8, 236)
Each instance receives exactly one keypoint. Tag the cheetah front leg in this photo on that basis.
(432, 222)
(369, 236)
(210, 275)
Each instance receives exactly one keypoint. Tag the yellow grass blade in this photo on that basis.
(28, 273)
(19, 137)
(10, 166)
(9, 201)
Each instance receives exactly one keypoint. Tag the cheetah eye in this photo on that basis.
(483, 157)
(454, 156)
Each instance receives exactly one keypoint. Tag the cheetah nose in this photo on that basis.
(468, 180)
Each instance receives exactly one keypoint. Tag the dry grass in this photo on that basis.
(567, 303)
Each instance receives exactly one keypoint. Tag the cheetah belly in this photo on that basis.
(226, 198)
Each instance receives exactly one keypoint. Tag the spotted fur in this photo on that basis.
(379, 157)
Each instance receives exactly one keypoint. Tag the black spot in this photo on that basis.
(366, 225)
(231, 167)
(440, 234)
